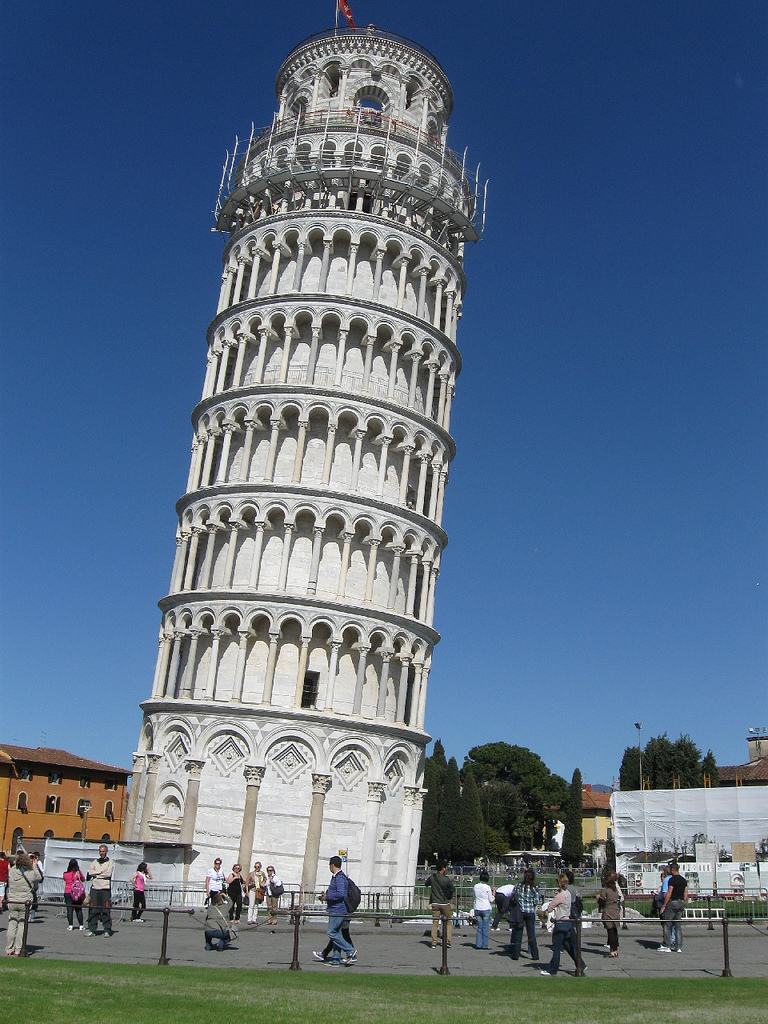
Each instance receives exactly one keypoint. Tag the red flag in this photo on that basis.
(346, 10)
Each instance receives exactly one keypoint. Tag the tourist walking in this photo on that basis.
(528, 898)
(256, 884)
(217, 928)
(672, 910)
(100, 875)
(22, 876)
(563, 937)
(609, 904)
(215, 879)
(440, 896)
(335, 897)
(235, 888)
(275, 890)
(482, 907)
(139, 882)
(4, 867)
(74, 895)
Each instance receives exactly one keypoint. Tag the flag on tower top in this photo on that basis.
(346, 10)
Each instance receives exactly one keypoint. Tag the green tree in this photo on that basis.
(659, 762)
(469, 840)
(629, 773)
(449, 811)
(496, 844)
(430, 813)
(518, 793)
(573, 844)
(709, 767)
(686, 762)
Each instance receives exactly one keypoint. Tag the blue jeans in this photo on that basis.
(563, 937)
(340, 944)
(529, 920)
(483, 928)
(218, 938)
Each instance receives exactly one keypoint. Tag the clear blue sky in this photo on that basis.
(607, 506)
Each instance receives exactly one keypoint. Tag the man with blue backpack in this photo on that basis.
(343, 898)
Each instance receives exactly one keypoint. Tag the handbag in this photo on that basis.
(258, 894)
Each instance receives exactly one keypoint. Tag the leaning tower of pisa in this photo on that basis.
(286, 719)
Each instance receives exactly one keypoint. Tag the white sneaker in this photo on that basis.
(81, 928)
(663, 949)
(70, 927)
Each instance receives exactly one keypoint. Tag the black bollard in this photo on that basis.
(726, 952)
(624, 914)
(444, 964)
(579, 969)
(295, 965)
(377, 922)
(163, 961)
(710, 926)
(23, 950)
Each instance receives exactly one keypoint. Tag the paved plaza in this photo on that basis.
(401, 948)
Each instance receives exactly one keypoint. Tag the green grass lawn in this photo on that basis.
(47, 991)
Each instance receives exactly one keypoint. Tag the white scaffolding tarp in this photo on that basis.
(680, 817)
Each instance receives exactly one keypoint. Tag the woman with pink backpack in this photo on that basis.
(74, 895)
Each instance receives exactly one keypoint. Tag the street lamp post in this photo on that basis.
(639, 726)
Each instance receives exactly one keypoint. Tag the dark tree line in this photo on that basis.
(503, 798)
(665, 762)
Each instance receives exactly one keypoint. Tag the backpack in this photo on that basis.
(77, 892)
(353, 897)
(577, 906)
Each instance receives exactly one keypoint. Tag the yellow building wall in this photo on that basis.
(594, 826)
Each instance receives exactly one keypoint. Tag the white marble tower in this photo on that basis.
(287, 713)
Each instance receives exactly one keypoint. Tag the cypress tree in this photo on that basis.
(449, 811)
(709, 767)
(573, 842)
(470, 831)
(430, 814)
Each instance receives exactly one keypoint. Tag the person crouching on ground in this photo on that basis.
(217, 921)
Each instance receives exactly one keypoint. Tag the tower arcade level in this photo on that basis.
(287, 712)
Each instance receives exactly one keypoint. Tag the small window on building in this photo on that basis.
(54, 778)
(109, 811)
(85, 782)
(78, 835)
(18, 838)
(25, 774)
(52, 804)
(48, 834)
(310, 689)
(21, 803)
(83, 806)
(106, 838)
(110, 784)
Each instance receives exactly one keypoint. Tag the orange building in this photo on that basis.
(47, 793)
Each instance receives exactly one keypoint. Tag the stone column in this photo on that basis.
(429, 400)
(344, 567)
(302, 247)
(285, 356)
(422, 697)
(415, 358)
(245, 463)
(430, 615)
(402, 850)
(313, 355)
(357, 434)
(402, 690)
(185, 690)
(379, 253)
(192, 558)
(204, 583)
(424, 595)
(258, 544)
(303, 657)
(301, 441)
(269, 676)
(333, 663)
(221, 476)
(169, 689)
(386, 441)
(441, 496)
(435, 489)
(423, 458)
(269, 471)
(411, 593)
(276, 254)
(223, 364)
(369, 341)
(381, 704)
(376, 791)
(351, 262)
(439, 282)
(328, 457)
(448, 401)
(242, 656)
(340, 353)
(182, 542)
(395, 576)
(262, 355)
(129, 822)
(213, 666)
(257, 256)
(194, 770)
(362, 664)
(239, 279)
(254, 776)
(153, 767)
(395, 349)
(205, 472)
(413, 854)
(314, 568)
(402, 262)
(325, 264)
(163, 655)
(320, 786)
(229, 565)
(285, 557)
(373, 547)
(422, 275)
(404, 473)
